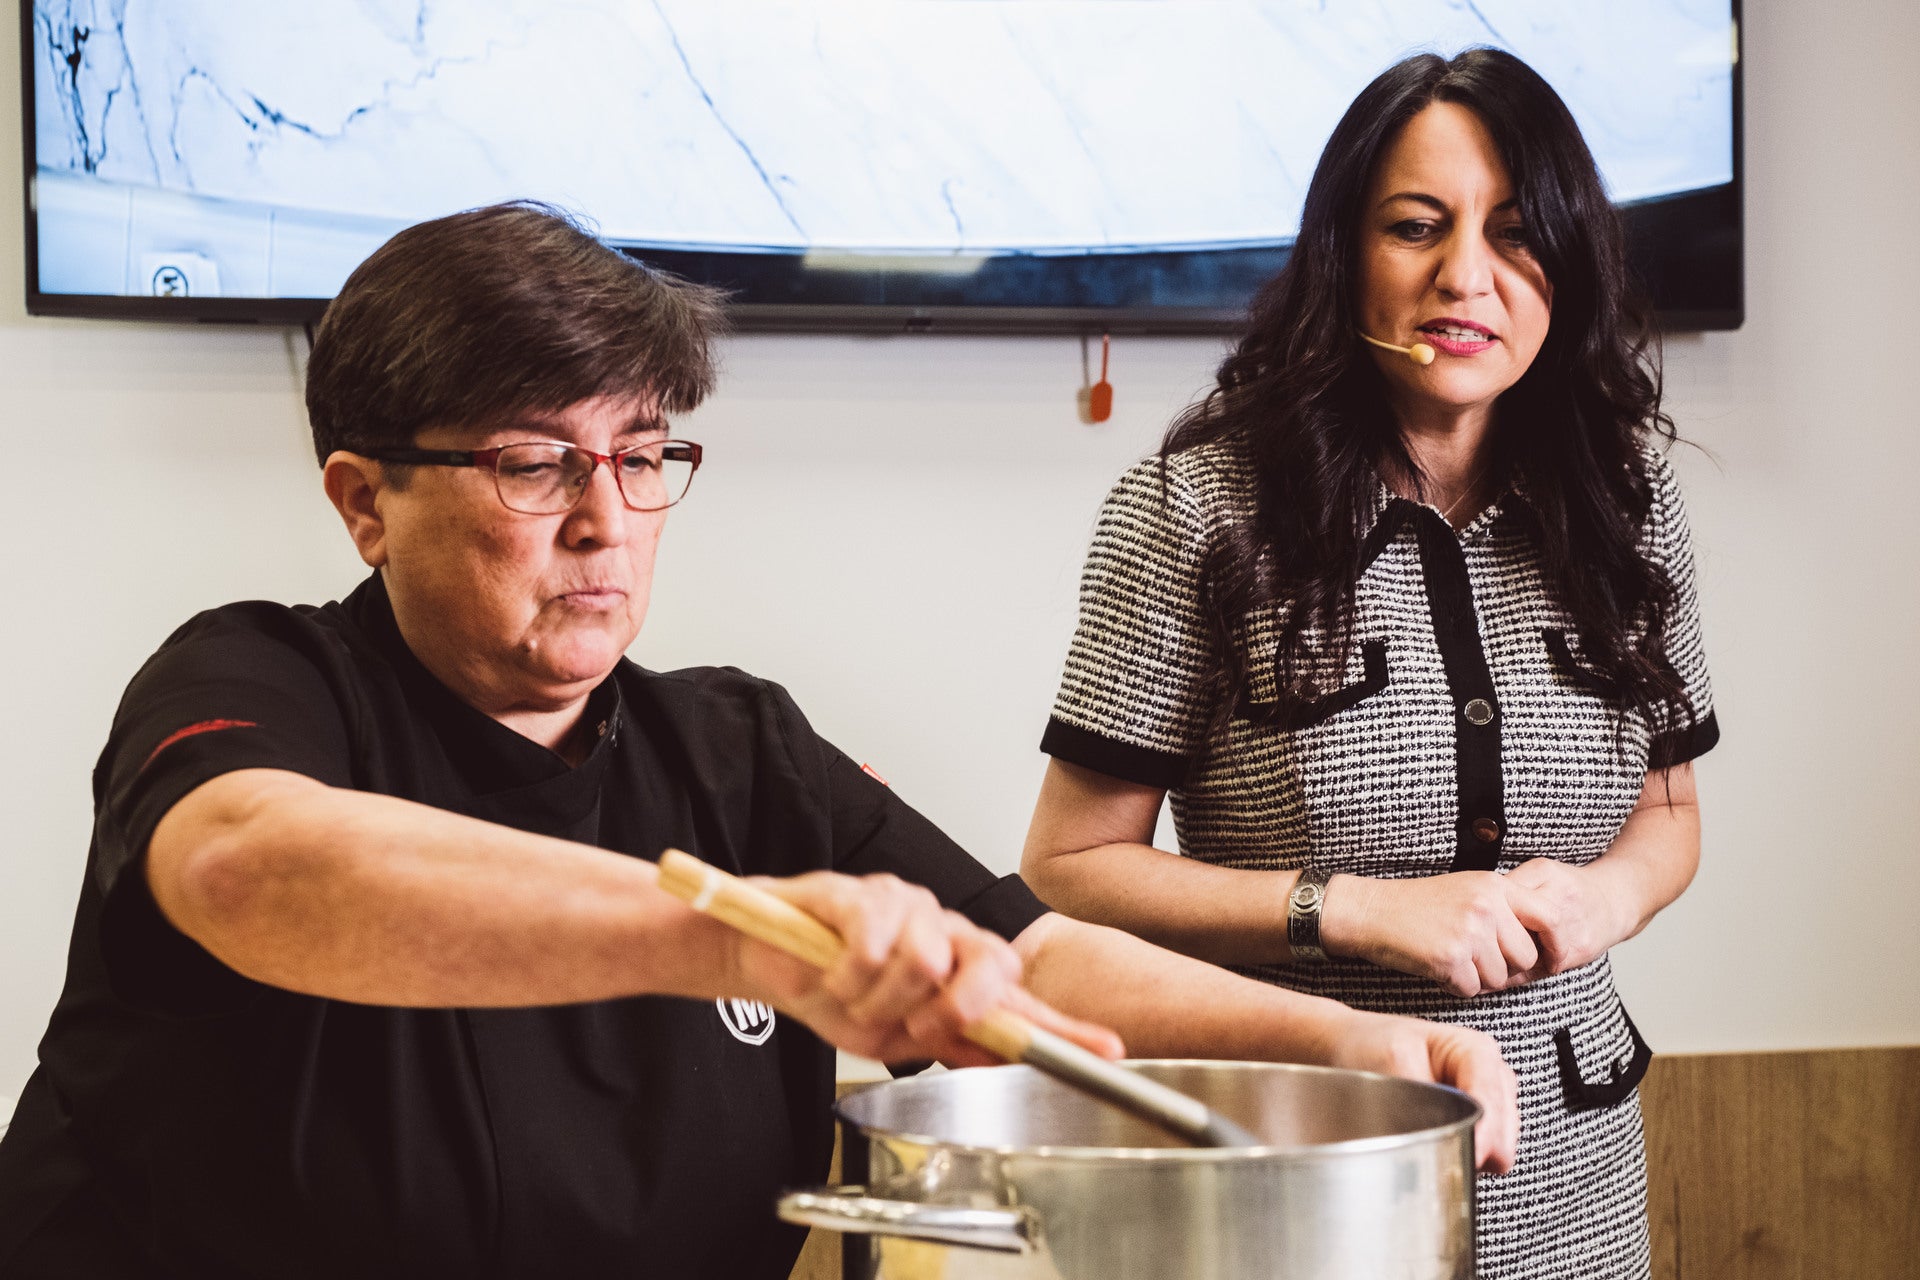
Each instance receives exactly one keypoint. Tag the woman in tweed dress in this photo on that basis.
(1415, 648)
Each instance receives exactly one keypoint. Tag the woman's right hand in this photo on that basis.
(1458, 929)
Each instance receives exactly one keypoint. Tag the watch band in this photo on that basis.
(1303, 915)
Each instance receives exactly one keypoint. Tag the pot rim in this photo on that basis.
(1295, 1153)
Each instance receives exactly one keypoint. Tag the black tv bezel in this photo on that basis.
(1645, 245)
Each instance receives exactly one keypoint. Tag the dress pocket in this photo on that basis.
(1625, 1066)
(1560, 652)
(1304, 715)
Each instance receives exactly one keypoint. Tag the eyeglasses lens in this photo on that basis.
(546, 479)
(656, 475)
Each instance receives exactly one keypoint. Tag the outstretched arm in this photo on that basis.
(362, 897)
(368, 898)
(1168, 1005)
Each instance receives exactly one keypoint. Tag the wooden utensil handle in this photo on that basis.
(750, 909)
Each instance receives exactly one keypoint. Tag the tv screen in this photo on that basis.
(1134, 165)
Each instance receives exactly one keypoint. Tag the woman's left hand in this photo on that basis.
(1566, 910)
(1463, 1057)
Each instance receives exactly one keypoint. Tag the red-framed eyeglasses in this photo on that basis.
(548, 477)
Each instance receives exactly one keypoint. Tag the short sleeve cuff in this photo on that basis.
(1689, 744)
(1143, 765)
(1005, 907)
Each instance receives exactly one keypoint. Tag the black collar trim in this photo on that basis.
(494, 760)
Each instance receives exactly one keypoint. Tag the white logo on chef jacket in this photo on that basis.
(750, 1021)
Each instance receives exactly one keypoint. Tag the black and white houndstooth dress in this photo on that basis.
(1460, 733)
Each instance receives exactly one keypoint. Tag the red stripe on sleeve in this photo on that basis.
(205, 726)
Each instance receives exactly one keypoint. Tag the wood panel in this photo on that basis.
(820, 1260)
(1784, 1166)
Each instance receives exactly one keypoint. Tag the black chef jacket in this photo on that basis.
(188, 1122)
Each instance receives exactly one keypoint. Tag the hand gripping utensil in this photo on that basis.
(778, 923)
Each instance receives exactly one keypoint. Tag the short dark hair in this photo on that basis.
(495, 313)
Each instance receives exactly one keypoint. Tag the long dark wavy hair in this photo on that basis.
(1305, 402)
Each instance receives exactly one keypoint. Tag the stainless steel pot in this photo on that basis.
(1001, 1172)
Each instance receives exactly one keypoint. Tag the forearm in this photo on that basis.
(377, 900)
(1168, 1005)
(1225, 915)
(1088, 854)
(1649, 864)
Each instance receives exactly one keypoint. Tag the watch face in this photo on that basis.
(1306, 897)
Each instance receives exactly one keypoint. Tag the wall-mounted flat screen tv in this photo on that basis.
(1072, 165)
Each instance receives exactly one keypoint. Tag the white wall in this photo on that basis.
(893, 527)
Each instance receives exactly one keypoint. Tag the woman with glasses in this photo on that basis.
(372, 975)
(1403, 619)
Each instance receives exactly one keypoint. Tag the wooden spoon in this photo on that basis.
(778, 923)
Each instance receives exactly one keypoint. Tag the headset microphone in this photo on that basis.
(1419, 352)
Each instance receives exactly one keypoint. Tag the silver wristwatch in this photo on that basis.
(1303, 915)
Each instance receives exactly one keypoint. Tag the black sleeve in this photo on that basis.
(874, 831)
(224, 693)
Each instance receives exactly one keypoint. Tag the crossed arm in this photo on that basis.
(373, 899)
(1089, 853)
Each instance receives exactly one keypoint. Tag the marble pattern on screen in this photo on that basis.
(940, 125)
